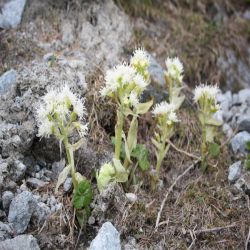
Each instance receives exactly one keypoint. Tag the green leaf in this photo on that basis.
(62, 177)
(210, 133)
(214, 149)
(141, 154)
(143, 108)
(82, 216)
(121, 174)
(132, 134)
(212, 121)
(83, 195)
(248, 145)
(127, 151)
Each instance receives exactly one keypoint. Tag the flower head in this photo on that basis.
(174, 69)
(208, 92)
(140, 59)
(59, 107)
(167, 110)
(163, 108)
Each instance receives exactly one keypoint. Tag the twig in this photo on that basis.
(247, 241)
(182, 151)
(169, 190)
(214, 229)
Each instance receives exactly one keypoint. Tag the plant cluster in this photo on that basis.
(61, 113)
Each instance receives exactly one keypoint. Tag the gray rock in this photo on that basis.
(67, 185)
(239, 141)
(108, 238)
(6, 199)
(244, 95)
(156, 72)
(247, 14)
(244, 123)
(36, 183)
(243, 183)
(21, 242)
(5, 231)
(19, 170)
(21, 209)
(234, 172)
(41, 213)
(218, 116)
(11, 14)
(7, 80)
(235, 68)
(57, 168)
(131, 197)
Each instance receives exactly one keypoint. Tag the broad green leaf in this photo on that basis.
(121, 174)
(83, 195)
(210, 133)
(214, 149)
(143, 108)
(212, 121)
(82, 216)
(141, 154)
(177, 101)
(62, 177)
(132, 134)
(127, 150)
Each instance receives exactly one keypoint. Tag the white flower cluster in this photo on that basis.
(128, 80)
(140, 59)
(206, 91)
(174, 69)
(60, 106)
(167, 109)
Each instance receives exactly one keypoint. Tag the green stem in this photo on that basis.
(118, 133)
(203, 149)
(70, 159)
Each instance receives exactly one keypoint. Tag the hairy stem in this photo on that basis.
(70, 159)
(118, 133)
(203, 149)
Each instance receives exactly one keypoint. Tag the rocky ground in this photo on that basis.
(48, 43)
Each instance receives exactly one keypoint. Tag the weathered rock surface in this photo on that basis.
(108, 238)
(234, 172)
(21, 209)
(6, 199)
(11, 14)
(7, 80)
(5, 231)
(21, 242)
(239, 141)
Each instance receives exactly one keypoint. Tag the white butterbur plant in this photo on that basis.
(125, 84)
(59, 114)
(174, 77)
(206, 98)
(166, 118)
